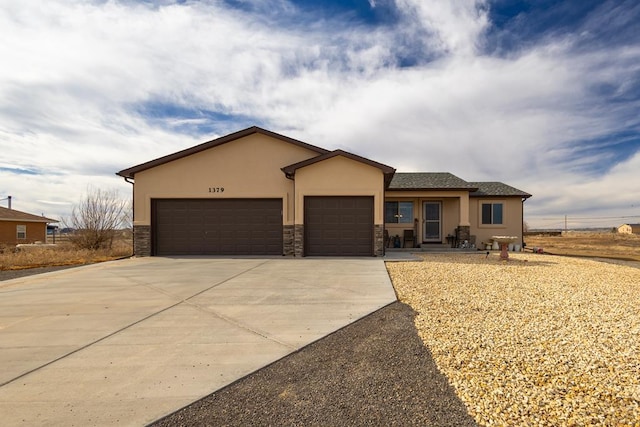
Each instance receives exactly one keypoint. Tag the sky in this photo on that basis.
(542, 95)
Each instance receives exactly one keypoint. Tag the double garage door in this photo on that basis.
(217, 226)
(334, 226)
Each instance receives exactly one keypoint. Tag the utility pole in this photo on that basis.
(8, 198)
(565, 224)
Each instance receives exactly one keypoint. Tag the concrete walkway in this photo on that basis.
(130, 341)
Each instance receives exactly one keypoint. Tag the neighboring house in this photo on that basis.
(256, 192)
(20, 227)
(629, 229)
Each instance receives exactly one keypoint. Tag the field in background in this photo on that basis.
(61, 254)
(588, 244)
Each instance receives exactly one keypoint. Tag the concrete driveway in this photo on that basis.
(130, 341)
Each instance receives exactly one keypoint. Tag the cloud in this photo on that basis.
(456, 25)
(93, 87)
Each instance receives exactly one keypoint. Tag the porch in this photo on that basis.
(426, 222)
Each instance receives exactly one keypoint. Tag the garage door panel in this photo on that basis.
(339, 226)
(217, 227)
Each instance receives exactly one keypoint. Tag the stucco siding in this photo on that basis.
(511, 223)
(249, 167)
(339, 176)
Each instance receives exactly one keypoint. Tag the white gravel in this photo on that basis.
(538, 340)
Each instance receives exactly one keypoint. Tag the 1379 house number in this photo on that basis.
(216, 189)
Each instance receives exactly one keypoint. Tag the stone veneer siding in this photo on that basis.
(142, 240)
(378, 240)
(298, 240)
(288, 239)
(464, 233)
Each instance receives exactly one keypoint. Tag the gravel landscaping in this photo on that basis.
(537, 340)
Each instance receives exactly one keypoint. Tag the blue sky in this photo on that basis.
(542, 95)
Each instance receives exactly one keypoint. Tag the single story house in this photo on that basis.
(629, 229)
(255, 192)
(20, 227)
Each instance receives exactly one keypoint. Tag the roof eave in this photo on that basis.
(434, 189)
(44, 220)
(130, 172)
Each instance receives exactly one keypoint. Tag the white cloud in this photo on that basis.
(77, 74)
(457, 24)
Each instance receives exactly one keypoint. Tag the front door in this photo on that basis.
(432, 212)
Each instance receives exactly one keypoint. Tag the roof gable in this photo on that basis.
(130, 172)
(388, 171)
(292, 168)
(14, 215)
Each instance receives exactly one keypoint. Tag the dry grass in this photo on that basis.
(63, 254)
(589, 244)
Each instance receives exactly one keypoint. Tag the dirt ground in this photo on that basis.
(589, 244)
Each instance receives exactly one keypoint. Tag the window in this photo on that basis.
(22, 232)
(492, 213)
(398, 212)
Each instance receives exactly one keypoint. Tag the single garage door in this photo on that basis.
(338, 226)
(217, 227)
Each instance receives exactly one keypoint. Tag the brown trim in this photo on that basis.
(130, 172)
(470, 189)
(499, 196)
(388, 171)
(292, 168)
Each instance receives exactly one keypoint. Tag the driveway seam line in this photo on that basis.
(24, 374)
(239, 325)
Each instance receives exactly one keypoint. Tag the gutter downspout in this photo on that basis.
(133, 213)
(524, 199)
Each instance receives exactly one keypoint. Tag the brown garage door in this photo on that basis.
(338, 226)
(217, 227)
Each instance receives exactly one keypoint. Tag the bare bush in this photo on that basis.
(96, 219)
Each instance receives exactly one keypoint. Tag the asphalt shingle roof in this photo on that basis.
(428, 181)
(496, 189)
(448, 181)
(14, 215)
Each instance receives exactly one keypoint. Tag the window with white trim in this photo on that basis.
(398, 212)
(21, 232)
(492, 213)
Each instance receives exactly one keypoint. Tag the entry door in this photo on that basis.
(432, 213)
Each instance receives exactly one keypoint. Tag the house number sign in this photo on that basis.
(216, 189)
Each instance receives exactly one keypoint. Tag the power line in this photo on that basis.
(588, 217)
